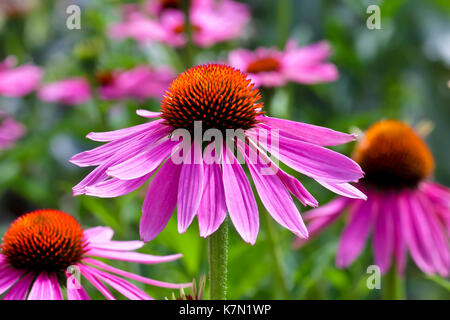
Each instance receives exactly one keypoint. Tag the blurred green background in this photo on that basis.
(400, 71)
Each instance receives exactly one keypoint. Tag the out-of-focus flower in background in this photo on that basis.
(211, 22)
(140, 82)
(16, 8)
(18, 81)
(270, 67)
(10, 131)
(41, 247)
(70, 91)
(404, 210)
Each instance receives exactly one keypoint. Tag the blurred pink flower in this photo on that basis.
(140, 82)
(404, 211)
(19, 81)
(212, 22)
(69, 91)
(270, 67)
(10, 131)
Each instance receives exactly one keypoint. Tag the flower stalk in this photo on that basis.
(218, 262)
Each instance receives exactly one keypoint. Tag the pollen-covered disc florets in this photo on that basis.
(44, 240)
(393, 155)
(218, 95)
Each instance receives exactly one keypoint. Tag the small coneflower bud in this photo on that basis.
(392, 155)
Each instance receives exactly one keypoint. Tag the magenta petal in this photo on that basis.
(45, 287)
(92, 278)
(148, 114)
(213, 209)
(115, 187)
(355, 233)
(98, 234)
(190, 187)
(124, 287)
(74, 289)
(117, 245)
(121, 133)
(144, 163)
(320, 136)
(20, 289)
(274, 195)
(239, 198)
(344, 189)
(399, 235)
(383, 235)
(135, 276)
(8, 276)
(132, 256)
(160, 201)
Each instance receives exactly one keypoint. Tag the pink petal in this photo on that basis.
(19, 290)
(355, 233)
(239, 198)
(135, 276)
(8, 276)
(148, 114)
(160, 201)
(121, 133)
(45, 287)
(92, 278)
(117, 245)
(144, 163)
(132, 256)
(115, 187)
(399, 234)
(320, 136)
(213, 209)
(190, 187)
(383, 237)
(344, 189)
(74, 289)
(273, 194)
(98, 234)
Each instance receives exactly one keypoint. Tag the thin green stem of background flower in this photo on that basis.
(218, 262)
(394, 286)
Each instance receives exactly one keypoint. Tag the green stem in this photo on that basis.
(394, 286)
(218, 262)
(276, 256)
(284, 11)
(189, 49)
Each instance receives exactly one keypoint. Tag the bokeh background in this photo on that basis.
(400, 71)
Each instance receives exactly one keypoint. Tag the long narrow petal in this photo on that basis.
(135, 276)
(213, 208)
(92, 278)
(344, 189)
(148, 114)
(160, 201)
(132, 256)
(115, 187)
(45, 287)
(312, 160)
(98, 234)
(20, 290)
(239, 198)
(355, 234)
(117, 245)
(320, 136)
(8, 276)
(143, 163)
(74, 289)
(124, 287)
(121, 133)
(383, 235)
(190, 187)
(399, 234)
(273, 194)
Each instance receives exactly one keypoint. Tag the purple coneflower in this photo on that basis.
(10, 131)
(42, 249)
(404, 211)
(18, 81)
(70, 91)
(270, 67)
(221, 98)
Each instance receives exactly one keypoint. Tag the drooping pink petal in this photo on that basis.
(213, 208)
(239, 198)
(148, 114)
(74, 289)
(20, 289)
(312, 160)
(121, 133)
(117, 245)
(355, 233)
(132, 256)
(160, 201)
(398, 233)
(8, 276)
(383, 235)
(320, 136)
(344, 189)
(190, 187)
(273, 194)
(144, 163)
(115, 187)
(92, 278)
(135, 276)
(45, 287)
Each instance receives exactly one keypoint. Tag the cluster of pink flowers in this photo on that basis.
(164, 21)
(10, 131)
